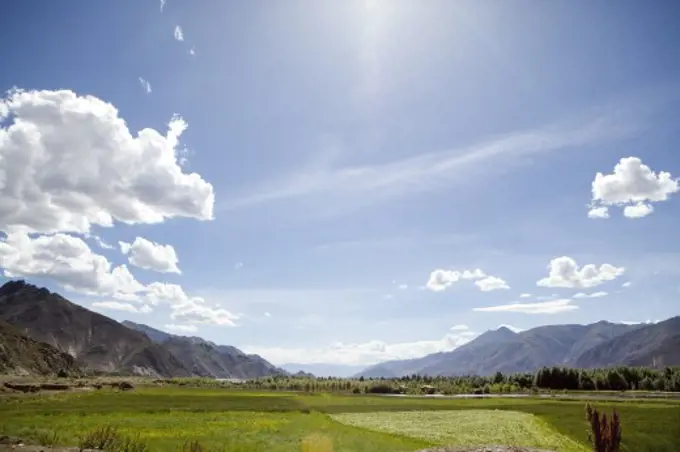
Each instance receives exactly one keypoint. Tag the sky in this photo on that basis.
(344, 182)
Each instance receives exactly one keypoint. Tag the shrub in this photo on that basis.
(380, 388)
(109, 440)
(604, 433)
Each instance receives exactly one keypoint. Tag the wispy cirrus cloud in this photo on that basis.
(424, 172)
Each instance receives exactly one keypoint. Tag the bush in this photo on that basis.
(109, 440)
(605, 433)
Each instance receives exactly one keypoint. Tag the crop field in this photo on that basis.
(466, 427)
(221, 419)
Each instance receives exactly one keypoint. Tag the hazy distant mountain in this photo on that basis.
(648, 345)
(207, 359)
(21, 355)
(324, 370)
(95, 341)
(554, 345)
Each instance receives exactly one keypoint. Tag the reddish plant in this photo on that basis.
(605, 432)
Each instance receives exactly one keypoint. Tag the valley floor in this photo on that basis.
(220, 419)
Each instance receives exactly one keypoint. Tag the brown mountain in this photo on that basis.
(21, 355)
(206, 359)
(95, 341)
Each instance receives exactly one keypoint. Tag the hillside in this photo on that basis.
(206, 359)
(95, 341)
(650, 345)
(505, 351)
(21, 355)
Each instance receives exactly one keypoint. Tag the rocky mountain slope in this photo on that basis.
(599, 344)
(652, 345)
(21, 355)
(207, 359)
(95, 341)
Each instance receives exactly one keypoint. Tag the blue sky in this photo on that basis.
(340, 150)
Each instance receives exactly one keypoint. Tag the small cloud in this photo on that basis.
(638, 210)
(267, 314)
(101, 243)
(638, 322)
(118, 306)
(146, 86)
(238, 265)
(441, 279)
(459, 328)
(181, 328)
(192, 51)
(525, 295)
(162, 5)
(179, 34)
(491, 283)
(545, 307)
(598, 213)
(626, 284)
(514, 329)
(590, 295)
(402, 286)
(388, 296)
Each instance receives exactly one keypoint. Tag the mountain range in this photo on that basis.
(600, 344)
(44, 333)
(53, 328)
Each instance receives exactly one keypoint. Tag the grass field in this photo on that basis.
(280, 422)
(466, 427)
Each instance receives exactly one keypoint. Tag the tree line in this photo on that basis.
(621, 378)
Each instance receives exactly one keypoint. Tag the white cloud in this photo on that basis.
(459, 328)
(146, 86)
(365, 353)
(68, 261)
(545, 307)
(564, 272)
(547, 297)
(162, 5)
(179, 34)
(181, 328)
(192, 310)
(633, 185)
(638, 210)
(267, 314)
(601, 212)
(192, 51)
(238, 265)
(491, 283)
(514, 329)
(626, 284)
(69, 162)
(638, 322)
(151, 256)
(118, 306)
(442, 279)
(525, 295)
(101, 243)
(590, 295)
(402, 286)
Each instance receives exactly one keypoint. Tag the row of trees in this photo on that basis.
(548, 378)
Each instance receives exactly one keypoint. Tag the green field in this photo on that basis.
(166, 417)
